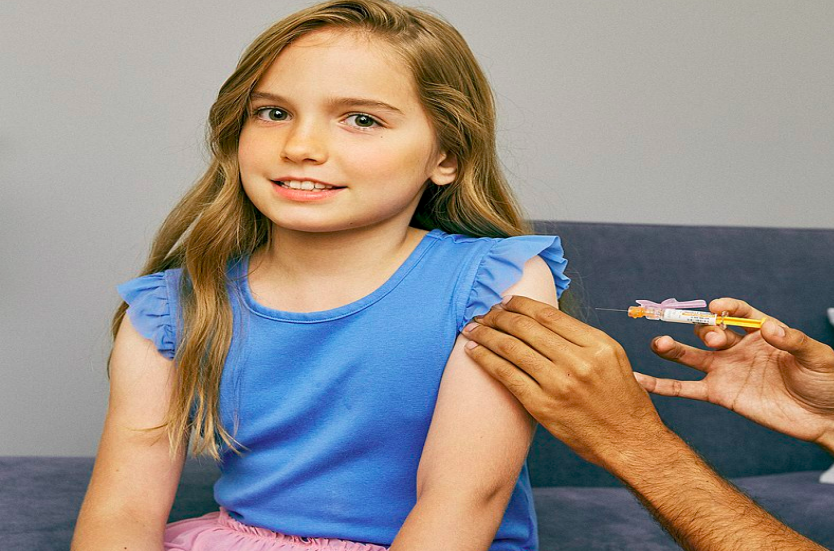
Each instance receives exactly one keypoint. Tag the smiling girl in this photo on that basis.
(299, 316)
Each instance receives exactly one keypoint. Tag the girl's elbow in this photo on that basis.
(472, 498)
(496, 497)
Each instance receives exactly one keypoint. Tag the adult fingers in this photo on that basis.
(717, 338)
(809, 352)
(511, 348)
(530, 331)
(695, 390)
(519, 383)
(669, 349)
(736, 308)
(554, 319)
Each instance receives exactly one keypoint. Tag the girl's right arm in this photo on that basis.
(134, 479)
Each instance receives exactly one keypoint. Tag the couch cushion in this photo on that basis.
(607, 519)
(42, 495)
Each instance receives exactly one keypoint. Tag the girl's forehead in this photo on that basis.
(351, 47)
(336, 37)
(341, 59)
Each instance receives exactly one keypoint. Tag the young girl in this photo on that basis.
(301, 309)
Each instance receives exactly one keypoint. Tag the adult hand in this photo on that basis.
(575, 380)
(777, 376)
(578, 383)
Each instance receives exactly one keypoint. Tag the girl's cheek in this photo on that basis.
(248, 143)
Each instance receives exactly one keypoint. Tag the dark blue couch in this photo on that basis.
(785, 272)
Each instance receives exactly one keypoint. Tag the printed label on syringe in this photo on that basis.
(688, 316)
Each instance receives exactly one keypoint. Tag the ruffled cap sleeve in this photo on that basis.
(150, 310)
(503, 265)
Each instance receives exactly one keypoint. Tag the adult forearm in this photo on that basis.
(450, 524)
(114, 531)
(700, 509)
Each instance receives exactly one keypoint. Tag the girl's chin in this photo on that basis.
(287, 226)
(307, 226)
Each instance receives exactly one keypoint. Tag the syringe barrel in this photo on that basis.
(687, 316)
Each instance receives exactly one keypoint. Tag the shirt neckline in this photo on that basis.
(242, 282)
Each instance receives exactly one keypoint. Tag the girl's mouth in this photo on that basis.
(305, 191)
(306, 186)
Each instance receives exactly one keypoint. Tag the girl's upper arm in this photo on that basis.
(480, 434)
(134, 472)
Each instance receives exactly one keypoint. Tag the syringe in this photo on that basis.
(692, 316)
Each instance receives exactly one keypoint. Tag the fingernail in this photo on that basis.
(711, 338)
(470, 345)
(478, 318)
(780, 331)
(469, 327)
(506, 299)
(657, 339)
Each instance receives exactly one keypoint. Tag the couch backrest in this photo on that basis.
(788, 273)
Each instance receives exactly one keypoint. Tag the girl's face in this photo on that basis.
(340, 109)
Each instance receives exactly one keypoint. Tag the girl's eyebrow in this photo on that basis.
(334, 102)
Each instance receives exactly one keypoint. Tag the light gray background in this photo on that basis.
(657, 111)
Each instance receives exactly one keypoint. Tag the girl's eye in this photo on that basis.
(363, 121)
(273, 113)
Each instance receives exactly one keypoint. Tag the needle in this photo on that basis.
(610, 309)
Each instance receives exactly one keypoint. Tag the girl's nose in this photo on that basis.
(305, 143)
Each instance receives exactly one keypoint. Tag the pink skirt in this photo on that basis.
(218, 530)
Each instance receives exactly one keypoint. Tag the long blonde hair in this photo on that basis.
(215, 223)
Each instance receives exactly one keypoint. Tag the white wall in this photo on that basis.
(689, 112)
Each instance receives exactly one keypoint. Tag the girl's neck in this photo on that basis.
(326, 270)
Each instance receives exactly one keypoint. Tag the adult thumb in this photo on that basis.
(809, 352)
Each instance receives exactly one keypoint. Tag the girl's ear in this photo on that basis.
(446, 170)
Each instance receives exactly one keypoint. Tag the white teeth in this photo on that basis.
(308, 186)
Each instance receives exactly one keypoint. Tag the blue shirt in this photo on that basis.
(334, 406)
